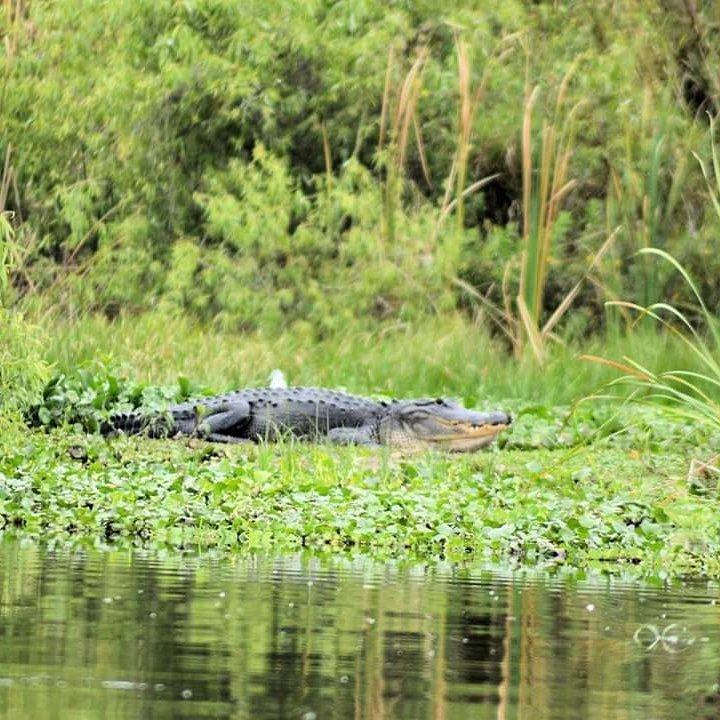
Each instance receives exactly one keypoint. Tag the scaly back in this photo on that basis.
(302, 411)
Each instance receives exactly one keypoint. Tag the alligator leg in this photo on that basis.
(224, 424)
(231, 439)
(362, 435)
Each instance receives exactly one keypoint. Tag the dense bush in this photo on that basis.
(221, 156)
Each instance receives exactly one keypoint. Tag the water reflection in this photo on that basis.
(116, 634)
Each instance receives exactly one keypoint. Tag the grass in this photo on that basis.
(397, 120)
(689, 392)
(690, 389)
(448, 355)
(596, 488)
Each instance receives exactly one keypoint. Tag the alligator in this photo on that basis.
(267, 414)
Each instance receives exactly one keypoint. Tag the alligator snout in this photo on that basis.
(495, 418)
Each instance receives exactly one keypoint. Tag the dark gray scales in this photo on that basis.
(260, 414)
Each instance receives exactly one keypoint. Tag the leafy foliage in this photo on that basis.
(577, 488)
(227, 158)
(91, 394)
(536, 506)
(23, 369)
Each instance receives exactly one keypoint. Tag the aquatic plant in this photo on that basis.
(527, 502)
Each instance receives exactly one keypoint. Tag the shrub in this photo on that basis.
(221, 156)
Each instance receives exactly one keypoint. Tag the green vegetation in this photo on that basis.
(690, 393)
(23, 369)
(605, 484)
(618, 505)
(373, 197)
(601, 486)
(259, 165)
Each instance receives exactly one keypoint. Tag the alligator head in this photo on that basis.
(440, 424)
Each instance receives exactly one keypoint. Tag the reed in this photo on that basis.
(644, 193)
(397, 121)
(545, 184)
(456, 188)
(466, 112)
(691, 391)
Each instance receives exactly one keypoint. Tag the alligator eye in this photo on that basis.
(439, 401)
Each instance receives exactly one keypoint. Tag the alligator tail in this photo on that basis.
(136, 423)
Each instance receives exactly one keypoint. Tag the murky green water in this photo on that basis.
(121, 635)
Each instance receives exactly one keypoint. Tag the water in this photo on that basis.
(122, 635)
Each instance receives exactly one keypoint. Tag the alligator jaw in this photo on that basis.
(442, 425)
(466, 438)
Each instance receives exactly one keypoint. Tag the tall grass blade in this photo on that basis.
(533, 336)
(567, 301)
(545, 182)
(400, 117)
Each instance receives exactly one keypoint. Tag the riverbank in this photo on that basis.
(604, 485)
(619, 501)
